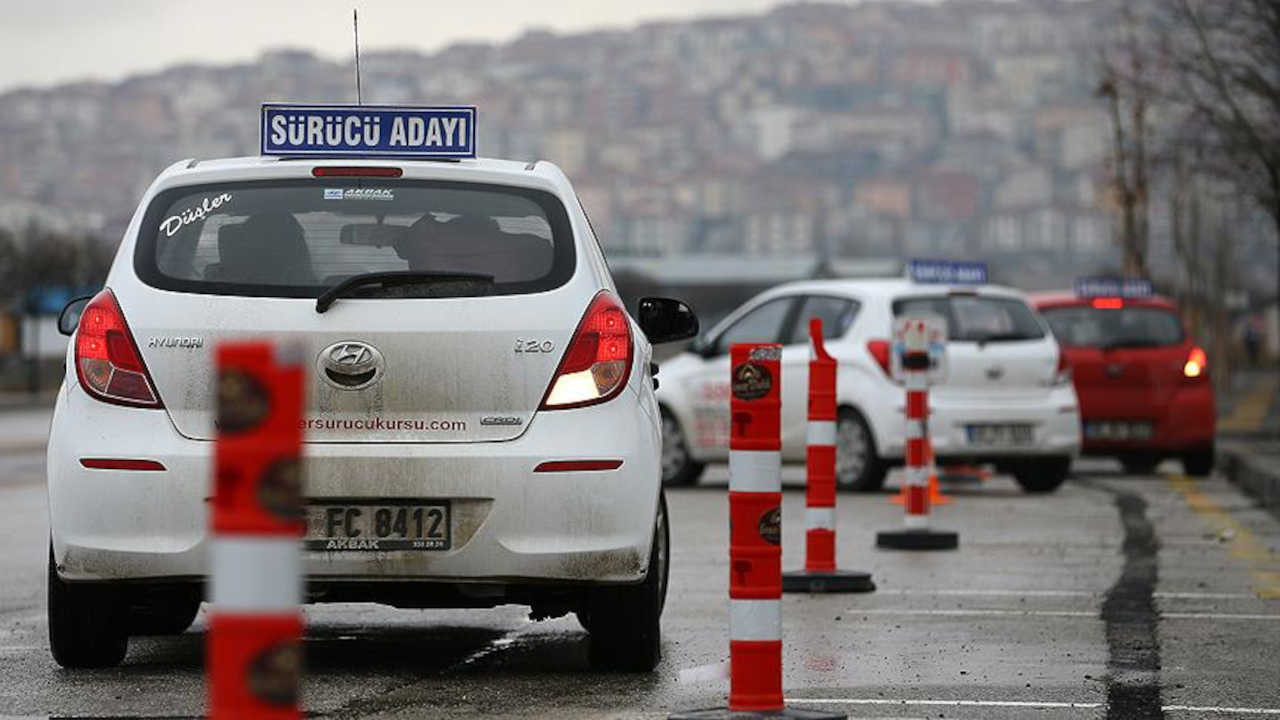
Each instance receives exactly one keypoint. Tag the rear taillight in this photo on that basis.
(1062, 373)
(108, 363)
(1108, 303)
(598, 360)
(879, 350)
(1197, 364)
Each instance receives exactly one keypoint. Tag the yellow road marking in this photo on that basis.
(1251, 412)
(1243, 544)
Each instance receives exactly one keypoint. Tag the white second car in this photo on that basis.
(468, 356)
(1006, 398)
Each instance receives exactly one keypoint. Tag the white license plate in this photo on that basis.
(380, 526)
(999, 435)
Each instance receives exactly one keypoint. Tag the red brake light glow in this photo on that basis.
(1108, 303)
(108, 363)
(596, 364)
(1197, 363)
(879, 350)
(356, 171)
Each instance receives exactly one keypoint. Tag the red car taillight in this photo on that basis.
(108, 363)
(598, 360)
(1197, 364)
(879, 350)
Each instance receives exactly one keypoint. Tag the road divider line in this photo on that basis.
(948, 592)
(984, 612)
(1028, 704)
(1241, 542)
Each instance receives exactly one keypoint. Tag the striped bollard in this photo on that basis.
(255, 629)
(914, 335)
(755, 540)
(820, 574)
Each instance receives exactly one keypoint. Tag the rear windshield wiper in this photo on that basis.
(1130, 343)
(395, 277)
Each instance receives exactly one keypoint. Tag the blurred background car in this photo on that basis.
(1005, 397)
(1144, 385)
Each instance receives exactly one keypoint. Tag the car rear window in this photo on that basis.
(296, 238)
(978, 318)
(1129, 326)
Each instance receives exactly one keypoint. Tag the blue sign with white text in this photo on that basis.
(948, 272)
(369, 131)
(1113, 287)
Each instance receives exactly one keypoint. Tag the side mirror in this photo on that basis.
(666, 320)
(69, 318)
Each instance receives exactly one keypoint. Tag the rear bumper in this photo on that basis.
(1053, 415)
(510, 524)
(1186, 422)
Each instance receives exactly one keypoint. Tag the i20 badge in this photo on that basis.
(350, 365)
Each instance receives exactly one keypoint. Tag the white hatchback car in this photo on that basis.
(468, 354)
(1007, 397)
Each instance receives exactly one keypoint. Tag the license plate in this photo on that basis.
(1117, 430)
(999, 435)
(377, 527)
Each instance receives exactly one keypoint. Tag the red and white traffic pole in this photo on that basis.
(755, 539)
(255, 629)
(820, 573)
(913, 335)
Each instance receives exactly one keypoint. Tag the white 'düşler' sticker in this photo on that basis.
(172, 224)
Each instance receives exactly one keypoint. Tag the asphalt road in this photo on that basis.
(1116, 597)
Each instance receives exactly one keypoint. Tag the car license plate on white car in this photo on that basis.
(380, 526)
(999, 435)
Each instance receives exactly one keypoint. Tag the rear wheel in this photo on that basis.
(678, 466)
(1198, 463)
(1042, 475)
(624, 621)
(87, 622)
(858, 468)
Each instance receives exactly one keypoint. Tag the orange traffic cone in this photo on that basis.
(935, 491)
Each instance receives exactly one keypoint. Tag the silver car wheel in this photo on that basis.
(852, 449)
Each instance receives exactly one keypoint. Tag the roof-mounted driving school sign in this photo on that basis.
(369, 131)
(949, 272)
(1113, 287)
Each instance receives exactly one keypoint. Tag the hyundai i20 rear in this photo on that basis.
(1144, 387)
(480, 421)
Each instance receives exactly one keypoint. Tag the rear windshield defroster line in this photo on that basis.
(348, 226)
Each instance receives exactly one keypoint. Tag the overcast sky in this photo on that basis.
(51, 41)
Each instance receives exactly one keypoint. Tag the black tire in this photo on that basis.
(858, 466)
(1042, 476)
(624, 621)
(1198, 463)
(164, 613)
(678, 466)
(1139, 464)
(87, 622)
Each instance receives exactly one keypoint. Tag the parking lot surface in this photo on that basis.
(1118, 596)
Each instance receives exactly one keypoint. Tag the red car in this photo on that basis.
(1143, 385)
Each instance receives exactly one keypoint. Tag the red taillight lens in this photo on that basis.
(1197, 364)
(108, 363)
(879, 350)
(1062, 374)
(345, 171)
(1108, 303)
(598, 361)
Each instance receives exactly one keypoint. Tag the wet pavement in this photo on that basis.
(1116, 597)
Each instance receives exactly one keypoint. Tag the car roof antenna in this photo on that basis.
(355, 27)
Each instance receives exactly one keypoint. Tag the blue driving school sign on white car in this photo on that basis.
(950, 272)
(447, 131)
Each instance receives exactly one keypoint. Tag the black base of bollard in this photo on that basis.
(918, 540)
(727, 714)
(836, 581)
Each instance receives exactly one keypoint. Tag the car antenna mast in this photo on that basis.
(355, 27)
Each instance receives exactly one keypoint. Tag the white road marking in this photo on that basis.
(1055, 613)
(948, 592)
(714, 672)
(1037, 704)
